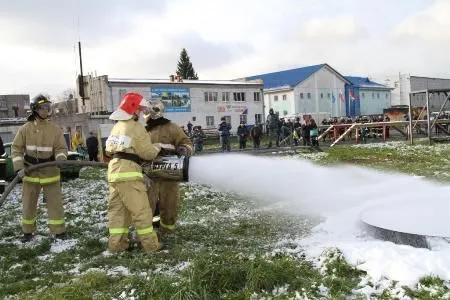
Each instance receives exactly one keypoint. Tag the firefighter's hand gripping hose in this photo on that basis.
(20, 175)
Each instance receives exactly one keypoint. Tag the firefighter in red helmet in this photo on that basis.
(128, 144)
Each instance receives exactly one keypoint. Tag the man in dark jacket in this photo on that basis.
(272, 126)
(92, 146)
(224, 132)
(256, 133)
(242, 133)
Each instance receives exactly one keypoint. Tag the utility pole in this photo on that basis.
(81, 77)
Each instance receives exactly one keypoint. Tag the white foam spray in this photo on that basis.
(340, 194)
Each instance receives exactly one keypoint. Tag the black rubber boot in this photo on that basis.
(61, 236)
(26, 237)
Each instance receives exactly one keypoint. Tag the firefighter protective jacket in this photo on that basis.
(171, 133)
(39, 141)
(130, 137)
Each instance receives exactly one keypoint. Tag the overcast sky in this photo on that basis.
(225, 39)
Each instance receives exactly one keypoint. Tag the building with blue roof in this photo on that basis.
(321, 92)
(373, 97)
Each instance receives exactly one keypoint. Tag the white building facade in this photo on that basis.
(373, 97)
(317, 91)
(200, 102)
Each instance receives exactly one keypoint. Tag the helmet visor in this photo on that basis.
(44, 106)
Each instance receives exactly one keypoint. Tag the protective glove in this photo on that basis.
(183, 151)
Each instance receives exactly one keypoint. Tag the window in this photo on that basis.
(243, 118)
(378, 95)
(194, 119)
(362, 95)
(275, 98)
(328, 95)
(285, 112)
(225, 96)
(309, 95)
(256, 96)
(209, 121)
(228, 119)
(373, 95)
(211, 96)
(258, 118)
(122, 92)
(284, 97)
(301, 95)
(387, 95)
(240, 97)
(321, 95)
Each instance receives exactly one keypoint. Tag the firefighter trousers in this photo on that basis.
(168, 195)
(55, 209)
(128, 204)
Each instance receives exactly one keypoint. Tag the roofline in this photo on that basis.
(157, 81)
(332, 69)
(339, 74)
(427, 77)
(375, 88)
(429, 91)
(279, 89)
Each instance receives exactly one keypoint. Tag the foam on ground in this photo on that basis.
(339, 194)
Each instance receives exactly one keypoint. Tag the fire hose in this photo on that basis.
(163, 168)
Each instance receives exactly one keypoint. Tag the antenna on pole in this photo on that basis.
(81, 77)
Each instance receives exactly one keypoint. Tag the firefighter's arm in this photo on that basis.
(183, 144)
(18, 150)
(145, 149)
(60, 147)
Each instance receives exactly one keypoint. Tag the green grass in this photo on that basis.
(224, 248)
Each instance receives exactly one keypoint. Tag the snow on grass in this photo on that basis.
(228, 244)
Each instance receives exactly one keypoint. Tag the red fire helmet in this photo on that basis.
(130, 104)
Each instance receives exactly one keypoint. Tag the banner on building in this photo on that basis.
(174, 99)
(232, 108)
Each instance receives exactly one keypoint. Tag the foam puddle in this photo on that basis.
(339, 194)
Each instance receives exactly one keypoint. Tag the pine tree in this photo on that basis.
(184, 66)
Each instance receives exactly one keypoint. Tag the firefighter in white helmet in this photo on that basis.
(172, 140)
(128, 144)
(38, 141)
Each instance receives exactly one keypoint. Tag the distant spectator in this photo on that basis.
(92, 146)
(189, 127)
(242, 133)
(224, 132)
(2, 148)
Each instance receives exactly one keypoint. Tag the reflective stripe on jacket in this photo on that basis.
(39, 139)
(130, 137)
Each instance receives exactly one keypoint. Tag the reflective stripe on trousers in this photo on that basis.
(29, 221)
(42, 180)
(170, 227)
(50, 221)
(141, 231)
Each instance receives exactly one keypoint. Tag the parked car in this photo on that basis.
(67, 172)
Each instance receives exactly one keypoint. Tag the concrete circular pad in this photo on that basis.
(409, 222)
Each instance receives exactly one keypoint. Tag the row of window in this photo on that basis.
(227, 96)
(308, 95)
(363, 95)
(210, 120)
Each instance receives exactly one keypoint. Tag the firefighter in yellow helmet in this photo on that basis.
(128, 144)
(38, 141)
(172, 139)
